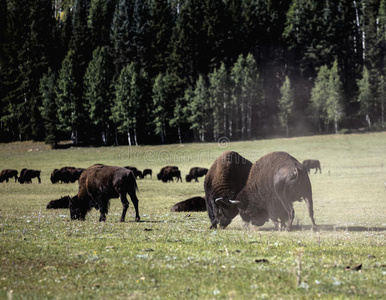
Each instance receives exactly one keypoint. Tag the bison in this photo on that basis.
(224, 180)
(160, 175)
(312, 164)
(66, 174)
(196, 172)
(275, 181)
(63, 202)
(191, 204)
(8, 173)
(97, 185)
(26, 175)
(147, 172)
(170, 174)
(137, 173)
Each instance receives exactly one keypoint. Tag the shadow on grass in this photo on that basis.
(328, 227)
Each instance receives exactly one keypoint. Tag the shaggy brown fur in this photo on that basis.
(224, 180)
(63, 202)
(162, 171)
(275, 181)
(97, 185)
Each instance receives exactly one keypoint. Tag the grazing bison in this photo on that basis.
(137, 173)
(66, 174)
(147, 172)
(160, 175)
(170, 174)
(63, 202)
(191, 204)
(312, 164)
(26, 175)
(97, 185)
(196, 172)
(275, 181)
(8, 173)
(224, 180)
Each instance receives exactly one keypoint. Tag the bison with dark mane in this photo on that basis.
(147, 172)
(312, 164)
(275, 181)
(194, 173)
(163, 170)
(8, 173)
(66, 174)
(224, 180)
(191, 204)
(170, 174)
(97, 185)
(26, 175)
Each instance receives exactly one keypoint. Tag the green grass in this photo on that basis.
(44, 255)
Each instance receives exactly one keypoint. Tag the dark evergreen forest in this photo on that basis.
(103, 72)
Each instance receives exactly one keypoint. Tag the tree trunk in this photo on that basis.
(129, 137)
(135, 136)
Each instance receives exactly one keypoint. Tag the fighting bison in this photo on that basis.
(8, 173)
(312, 164)
(26, 175)
(63, 202)
(66, 174)
(160, 175)
(170, 174)
(147, 172)
(191, 204)
(275, 181)
(97, 185)
(224, 180)
(196, 172)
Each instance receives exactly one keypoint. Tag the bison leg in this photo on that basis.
(103, 209)
(310, 207)
(125, 205)
(134, 199)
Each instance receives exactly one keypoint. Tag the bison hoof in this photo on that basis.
(315, 228)
(137, 219)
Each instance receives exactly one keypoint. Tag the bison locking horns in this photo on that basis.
(97, 185)
(224, 180)
(275, 181)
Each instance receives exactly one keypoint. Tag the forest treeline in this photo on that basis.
(108, 72)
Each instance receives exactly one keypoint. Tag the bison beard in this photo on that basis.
(224, 180)
(275, 181)
(97, 185)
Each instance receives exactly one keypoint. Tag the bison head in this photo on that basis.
(225, 212)
(188, 178)
(77, 209)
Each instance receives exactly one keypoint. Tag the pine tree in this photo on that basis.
(286, 103)
(160, 106)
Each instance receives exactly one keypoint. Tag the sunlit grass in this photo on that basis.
(44, 255)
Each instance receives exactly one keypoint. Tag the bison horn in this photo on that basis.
(220, 202)
(234, 201)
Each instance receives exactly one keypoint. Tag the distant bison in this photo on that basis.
(26, 175)
(97, 185)
(194, 173)
(66, 174)
(224, 180)
(275, 181)
(191, 204)
(160, 175)
(147, 172)
(312, 164)
(8, 173)
(63, 202)
(170, 174)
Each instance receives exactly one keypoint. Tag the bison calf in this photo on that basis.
(194, 173)
(97, 185)
(63, 202)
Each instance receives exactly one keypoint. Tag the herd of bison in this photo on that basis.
(258, 192)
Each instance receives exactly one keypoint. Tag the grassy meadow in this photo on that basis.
(44, 255)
